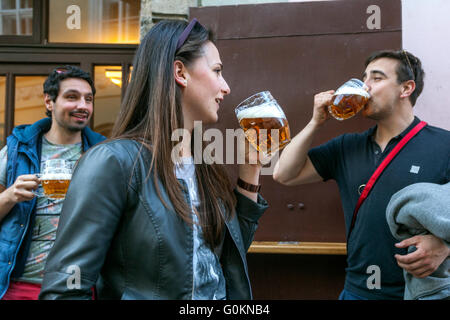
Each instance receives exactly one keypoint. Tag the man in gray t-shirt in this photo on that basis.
(47, 210)
(28, 224)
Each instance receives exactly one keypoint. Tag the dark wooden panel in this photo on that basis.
(296, 276)
(296, 50)
(294, 19)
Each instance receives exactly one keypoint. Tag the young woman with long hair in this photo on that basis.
(139, 223)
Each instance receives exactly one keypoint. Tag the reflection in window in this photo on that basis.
(108, 81)
(94, 21)
(16, 17)
(130, 72)
(29, 104)
(2, 110)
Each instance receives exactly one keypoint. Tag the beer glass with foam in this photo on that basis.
(264, 123)
(349, 99)
(55, 178)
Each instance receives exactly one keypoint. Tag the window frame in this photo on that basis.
(22, 55)
(38, 25)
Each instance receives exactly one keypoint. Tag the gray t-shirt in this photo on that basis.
(209, 281)
(47, 210)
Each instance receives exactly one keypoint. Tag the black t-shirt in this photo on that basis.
(351, 159)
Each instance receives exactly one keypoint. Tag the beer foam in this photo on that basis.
(352, 90)
(267, 110)
(56, 176)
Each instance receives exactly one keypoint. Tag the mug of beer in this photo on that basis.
(349, 99)
(264, 123)
(55, 178)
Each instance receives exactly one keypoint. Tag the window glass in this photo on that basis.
(108, 83)
(16, 17)
(94, 21)
(29, 99)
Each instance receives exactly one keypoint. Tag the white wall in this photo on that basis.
(425, 27)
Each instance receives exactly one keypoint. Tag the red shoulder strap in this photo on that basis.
(381, 167)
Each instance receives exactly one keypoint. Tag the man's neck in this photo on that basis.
(58, 135)
(391, 127)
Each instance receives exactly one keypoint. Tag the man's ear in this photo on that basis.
(408, 88)
(180, 73)
(48, 102)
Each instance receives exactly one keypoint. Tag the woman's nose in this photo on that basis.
(226, 89)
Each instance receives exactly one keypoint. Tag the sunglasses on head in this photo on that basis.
(409, 64)
(62, 70)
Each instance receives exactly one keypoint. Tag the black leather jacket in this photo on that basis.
(116, 234)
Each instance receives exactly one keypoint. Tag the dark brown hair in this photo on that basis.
(409, 68)
(51, 84)
(151, 111)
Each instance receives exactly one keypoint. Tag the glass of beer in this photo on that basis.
(349, 99)
(264, 123)
(55, 178)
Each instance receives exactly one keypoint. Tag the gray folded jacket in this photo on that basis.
(419, 209)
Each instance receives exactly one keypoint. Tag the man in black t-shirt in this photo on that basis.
(374, 258)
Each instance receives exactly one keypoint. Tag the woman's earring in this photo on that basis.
(181, 82)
